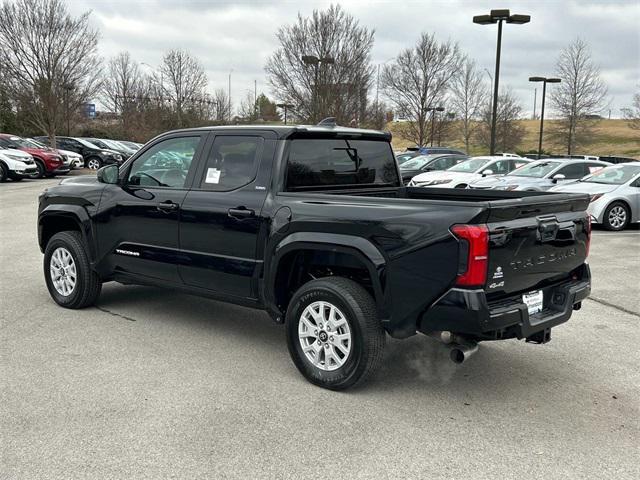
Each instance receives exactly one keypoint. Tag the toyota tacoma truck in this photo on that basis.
(313, 225)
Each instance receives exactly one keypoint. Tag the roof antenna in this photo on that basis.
(328, 122)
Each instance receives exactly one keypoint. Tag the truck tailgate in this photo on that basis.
(534, 240)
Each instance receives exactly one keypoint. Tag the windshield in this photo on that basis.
(415, 163)
(537, 170)
(470, 166)
(115, 145)
(613, 175)
(331, 162)
(87, 143)
(17, 142)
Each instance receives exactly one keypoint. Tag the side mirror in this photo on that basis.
(487, 172)
(109, 174)
(557, 177)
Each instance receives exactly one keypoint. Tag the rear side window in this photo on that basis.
(335, 162)
(232, 162)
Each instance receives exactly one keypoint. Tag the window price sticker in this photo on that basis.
(213, 175)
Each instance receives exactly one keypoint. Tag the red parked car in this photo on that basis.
(48, 161)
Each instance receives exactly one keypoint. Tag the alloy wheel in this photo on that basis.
(324, 335)
(617, 217)
(63, 273)
(93, 163)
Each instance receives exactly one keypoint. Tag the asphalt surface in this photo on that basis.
(155, 384)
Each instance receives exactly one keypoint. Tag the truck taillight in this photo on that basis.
(475, 238)
(588, 228)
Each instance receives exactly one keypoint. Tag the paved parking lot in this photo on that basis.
(155, 384)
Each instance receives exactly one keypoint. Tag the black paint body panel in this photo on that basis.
(400, 235)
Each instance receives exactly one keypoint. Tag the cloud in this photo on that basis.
(240, 35)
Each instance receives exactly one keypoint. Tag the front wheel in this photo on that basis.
(41, 171)
(4, 174)
(71, 281)
(94, 163)
(616, 216)
(334, 336)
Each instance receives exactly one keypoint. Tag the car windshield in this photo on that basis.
(613, 175)
(470, 166)
(405, 157)
(115, 145)
(537, 170)
(87, 144)
(17, 142)
(416, 163)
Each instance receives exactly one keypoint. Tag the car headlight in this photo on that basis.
(595, 197)
(440, 182)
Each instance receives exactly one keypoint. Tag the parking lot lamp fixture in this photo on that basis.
(433, 111)
(285, 107)
(544, 81)
(498, 16)
(316, 61)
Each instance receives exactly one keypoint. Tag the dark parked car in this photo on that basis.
(614, 159)
(48, 162)
(434, 150)
(429, 163)
(313, 225)
(94, 156)
(126, 152)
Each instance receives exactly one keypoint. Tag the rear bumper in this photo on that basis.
(468, 312)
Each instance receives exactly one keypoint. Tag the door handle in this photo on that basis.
(240, 212)
(167, 206)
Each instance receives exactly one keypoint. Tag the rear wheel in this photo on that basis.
(94, 163)
(616, 216)
(333, 333)
(71, 281)
(462, 185)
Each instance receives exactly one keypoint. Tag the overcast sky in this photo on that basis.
(239, 36)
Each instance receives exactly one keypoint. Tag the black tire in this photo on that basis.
(88, 283)
(4, 173)
(17, 179)
(41, 170)
(462, 185)
(94, 161)
(367, 334)
(613, 222)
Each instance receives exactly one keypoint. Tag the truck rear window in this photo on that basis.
(317, 163)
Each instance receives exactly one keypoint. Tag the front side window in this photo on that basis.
(573, 171)
(232, 162)
(329, 162)
(165, 165)
(499, 167)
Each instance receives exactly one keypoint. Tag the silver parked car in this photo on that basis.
(541, 175)
(615, 195)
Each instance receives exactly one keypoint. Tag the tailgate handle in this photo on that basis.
(553, 231)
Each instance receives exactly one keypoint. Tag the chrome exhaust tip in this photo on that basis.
(461, 353)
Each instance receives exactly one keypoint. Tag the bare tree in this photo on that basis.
(248, 107)
(509, 132)
(337, 74)
(123, 90)
(418, 80)
(581, 95)
(221, 104)
(632, 114)
(467, 99)
(183, 82)
(49, 58)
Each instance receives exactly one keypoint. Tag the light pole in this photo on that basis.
(498, 16)
(229, 105)
(285, 106)
(544, 81)
(67, 90)
(316, 61)
(433, 111)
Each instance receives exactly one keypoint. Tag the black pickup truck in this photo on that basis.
(314, 225)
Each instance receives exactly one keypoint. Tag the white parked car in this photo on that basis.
(460, 175)
(75, 159)
(614, 192)
(509, 155)
(16, 165)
